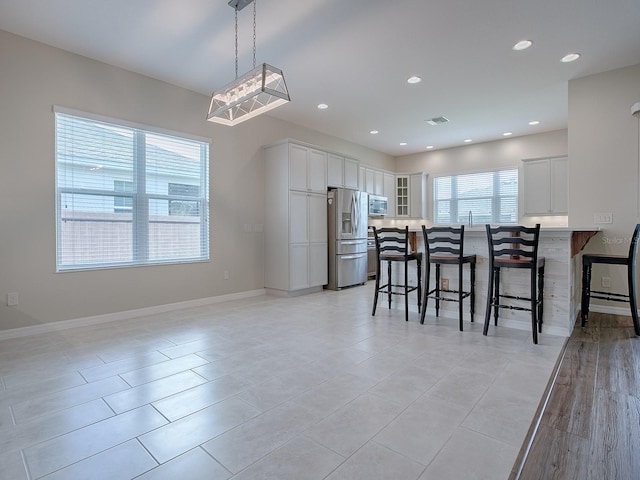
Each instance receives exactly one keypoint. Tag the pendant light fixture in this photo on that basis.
(257, 91)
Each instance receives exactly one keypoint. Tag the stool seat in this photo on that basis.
(445, 246)
(629, 260)
(515, 247)
(392, 246)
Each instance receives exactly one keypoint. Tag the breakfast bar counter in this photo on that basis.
(561, 247)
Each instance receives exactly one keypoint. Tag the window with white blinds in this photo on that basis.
(491, 197)
(128, 195)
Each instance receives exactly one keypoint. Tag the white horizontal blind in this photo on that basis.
(491, 197)
(128, 196)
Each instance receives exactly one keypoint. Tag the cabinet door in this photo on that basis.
(362, 179)
(378, 183)
(317, 217)
(559, 184)
(335, 171)
(537, 188)
(418, 195)
(298, 266)
(317, 174)
(298, 166)
(350, 173)
(370, 181)
(402, 196)
(390, 193)
(299, 217)
(318, 264)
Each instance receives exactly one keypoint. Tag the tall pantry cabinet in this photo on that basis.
(295, 218)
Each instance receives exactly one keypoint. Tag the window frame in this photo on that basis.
(495, 199)
(140, 197)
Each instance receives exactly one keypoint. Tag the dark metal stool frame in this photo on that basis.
(445, 246)
(515, 247)
(588, 259)
(392, 245)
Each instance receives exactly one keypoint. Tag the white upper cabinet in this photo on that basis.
(351, 167)
(307, 169)
(545, 186)
(342, 172)
(411, 195)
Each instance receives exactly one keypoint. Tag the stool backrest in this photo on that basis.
(443, 240)
(513, 243)
(633, 247)
(392, 240)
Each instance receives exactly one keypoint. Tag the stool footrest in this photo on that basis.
(614, 297)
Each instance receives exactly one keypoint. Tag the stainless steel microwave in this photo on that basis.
(378, 205)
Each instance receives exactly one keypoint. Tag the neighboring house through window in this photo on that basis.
(128, 194)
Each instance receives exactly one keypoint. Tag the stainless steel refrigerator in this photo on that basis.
(347, 216)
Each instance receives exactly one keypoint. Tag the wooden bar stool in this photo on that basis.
(445, 246)
(515, 247)
(392, 246)
(588, 259)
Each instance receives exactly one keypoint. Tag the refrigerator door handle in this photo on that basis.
(352, 257)
(356, 212)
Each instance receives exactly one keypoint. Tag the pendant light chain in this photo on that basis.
(236, 9)
(254, 33)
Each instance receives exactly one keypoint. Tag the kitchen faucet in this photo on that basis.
(470, 218)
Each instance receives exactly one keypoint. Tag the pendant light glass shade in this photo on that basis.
(258, 91)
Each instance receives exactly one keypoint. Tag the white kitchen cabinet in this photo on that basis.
(369, 181)
(351, 167)
(295, 228)
(545, 186)
(411, 195)
(308, 168)
(372, 181)
(342, 172)
(389, 191)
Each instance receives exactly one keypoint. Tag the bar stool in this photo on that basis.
(515, 247)
(588, 259)
(392, 246)
(445, 246)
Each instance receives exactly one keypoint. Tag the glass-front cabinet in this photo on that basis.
(402, 196)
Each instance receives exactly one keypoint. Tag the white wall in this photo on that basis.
(34, 78)
(487, 156)
(604, 162)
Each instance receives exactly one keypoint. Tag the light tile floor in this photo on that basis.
(311, 387)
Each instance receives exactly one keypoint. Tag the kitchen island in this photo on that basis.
(561, 247)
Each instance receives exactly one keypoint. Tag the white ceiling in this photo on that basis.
(356, 55)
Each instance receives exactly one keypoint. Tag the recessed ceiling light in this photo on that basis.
(323, 106)
(534, 122)
(506, 134)
(374, 132)
(468, 140)
(571, 57)
(522, 45)
(402, 144)
(429, 147)
(414, 79)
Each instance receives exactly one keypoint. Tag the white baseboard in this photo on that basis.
(110, 317)
(624, 311)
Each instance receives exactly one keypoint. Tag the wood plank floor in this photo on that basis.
(590, 426)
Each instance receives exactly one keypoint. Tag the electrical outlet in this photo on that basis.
(444, 284)
(225, 275)
(247, 228)
(606, 282)
(606, 217)
(12, 299)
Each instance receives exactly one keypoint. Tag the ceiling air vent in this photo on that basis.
(437, 120)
